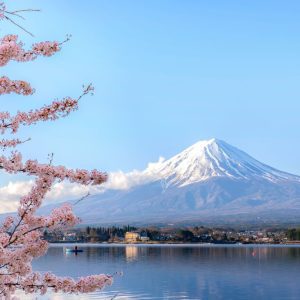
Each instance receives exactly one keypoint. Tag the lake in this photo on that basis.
(182, 271)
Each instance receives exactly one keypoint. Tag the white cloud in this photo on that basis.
(13, 191)
(123, 181)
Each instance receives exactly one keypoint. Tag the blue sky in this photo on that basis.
(167, 74)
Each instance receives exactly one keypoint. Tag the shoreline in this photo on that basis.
(297, 243)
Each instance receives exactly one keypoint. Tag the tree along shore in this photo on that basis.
(155, 235)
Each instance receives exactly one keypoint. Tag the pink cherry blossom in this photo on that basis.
(8, 86)
(11, 49)
(21, 237)
(5, 143)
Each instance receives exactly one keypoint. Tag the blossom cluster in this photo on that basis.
(5, 143)
(14, 164)
(51, 112)
(83, 285)
(21, 237)
(46, 48)
(21, 241)
(21, 87)
(40, 283)
(12, 49)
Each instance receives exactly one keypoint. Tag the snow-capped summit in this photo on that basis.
(213, 158)
(211, 181)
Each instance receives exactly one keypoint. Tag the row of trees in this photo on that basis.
(293, 234)
(105, 234)
(114, 233)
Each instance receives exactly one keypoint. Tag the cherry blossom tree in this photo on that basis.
(21, 235)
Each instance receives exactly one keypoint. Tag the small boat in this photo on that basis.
(74, 250)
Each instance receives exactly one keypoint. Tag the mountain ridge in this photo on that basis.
(210, 180)
(214, 158)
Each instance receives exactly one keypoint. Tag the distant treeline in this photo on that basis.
(293, 234)
(105, 233)
(196, 234)
(191, 234)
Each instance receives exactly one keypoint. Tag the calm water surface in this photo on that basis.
(182, 271)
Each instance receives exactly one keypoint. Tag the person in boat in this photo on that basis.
(76, 248)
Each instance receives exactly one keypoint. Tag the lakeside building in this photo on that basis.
(145, 239)
(69, 237)
(132, 237)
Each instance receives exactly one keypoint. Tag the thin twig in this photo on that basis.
(17, 14)
(12, 21)
(50, 157)
(14, 14)
(88, 90)
(68, 37)
(25, 10)
(82, 198)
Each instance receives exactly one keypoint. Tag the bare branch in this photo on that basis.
(50, 157)
(17, 13)
(25, 10)
(14, 14)
(82, 198)
(12, 21)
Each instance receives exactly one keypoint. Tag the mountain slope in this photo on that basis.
(214, 158)
(209, 181)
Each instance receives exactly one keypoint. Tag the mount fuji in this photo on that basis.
(209, 182)
(214, 158)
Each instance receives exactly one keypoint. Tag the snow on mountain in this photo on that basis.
(213, 158)
(211, 180)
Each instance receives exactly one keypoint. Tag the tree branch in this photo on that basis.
(12, 21)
